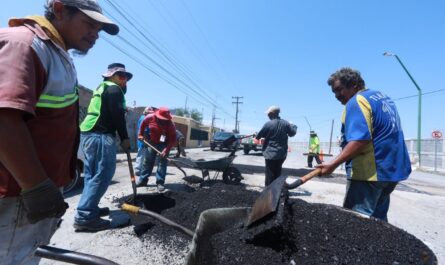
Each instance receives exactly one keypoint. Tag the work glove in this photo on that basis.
(125, 144)
(43, 201)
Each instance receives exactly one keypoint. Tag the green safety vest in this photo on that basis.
(314, 145)
(93, 113)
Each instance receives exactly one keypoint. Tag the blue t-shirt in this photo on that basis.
(371, 115)
(146, 132)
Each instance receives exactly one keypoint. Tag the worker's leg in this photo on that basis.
(317, 158)
(309, 160)
(100, 156)
(369, 198)
(147, 166)
(19, 238)
(382, 207)
(268, 172)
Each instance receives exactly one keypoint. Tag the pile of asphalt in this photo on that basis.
(310, 233)
(323, 234)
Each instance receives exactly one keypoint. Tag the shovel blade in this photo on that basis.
(267, 202)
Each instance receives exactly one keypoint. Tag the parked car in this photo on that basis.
(224, 140)
(251, 143)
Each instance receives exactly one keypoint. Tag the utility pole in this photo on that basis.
(237, 102)
(212, 126)
(330, 141)
(185, 107)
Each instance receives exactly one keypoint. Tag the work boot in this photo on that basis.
(161, 188)
(141, 182)
(104, 211)
(95, 225)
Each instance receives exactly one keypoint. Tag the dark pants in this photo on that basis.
(273, 170)
(310, 157)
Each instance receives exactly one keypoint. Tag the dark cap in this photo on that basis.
(117, 68)
(92, 9)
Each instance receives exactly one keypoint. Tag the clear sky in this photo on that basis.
(201, 53)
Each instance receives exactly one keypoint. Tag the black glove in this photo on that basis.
(43, 201)
(125, 144)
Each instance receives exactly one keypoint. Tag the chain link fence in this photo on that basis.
(432, 152)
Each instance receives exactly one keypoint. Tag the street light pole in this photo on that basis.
(419, 112)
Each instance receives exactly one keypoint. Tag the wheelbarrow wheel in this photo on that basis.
(232, 176)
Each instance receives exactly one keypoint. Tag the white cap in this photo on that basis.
(273, 109)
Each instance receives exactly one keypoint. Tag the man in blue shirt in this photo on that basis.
(373, 145)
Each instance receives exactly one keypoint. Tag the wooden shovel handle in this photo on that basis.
(310, 175)
(304, 179)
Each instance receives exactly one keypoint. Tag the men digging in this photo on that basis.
(374, 145)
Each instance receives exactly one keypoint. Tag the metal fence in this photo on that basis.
(432, 152)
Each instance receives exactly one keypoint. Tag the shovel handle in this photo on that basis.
(168, 159)
(304, 179)
(132, 177)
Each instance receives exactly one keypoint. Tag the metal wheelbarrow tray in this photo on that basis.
(230, 174)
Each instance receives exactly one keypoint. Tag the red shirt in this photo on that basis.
(157, 131)
(23, 78)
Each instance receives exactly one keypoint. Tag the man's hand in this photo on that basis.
(326, 169)
(164, 153)
(125, 144)
(43, 201)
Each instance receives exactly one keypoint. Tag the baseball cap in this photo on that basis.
(92, 9)
(273, 109)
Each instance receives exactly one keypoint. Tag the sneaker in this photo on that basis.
(141, 182)
(95, 225)
(104, 211)
(161, 188)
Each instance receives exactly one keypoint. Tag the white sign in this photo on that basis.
(436, 134)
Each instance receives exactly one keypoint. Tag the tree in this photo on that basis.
(194, 114)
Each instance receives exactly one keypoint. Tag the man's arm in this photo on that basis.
(17, 151)
(351, 150)
(116, 108)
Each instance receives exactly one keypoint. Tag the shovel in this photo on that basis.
(168, 159)
(132, 177)
(137, 210)
(268, 200)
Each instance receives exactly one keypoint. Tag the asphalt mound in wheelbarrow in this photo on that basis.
(313, 233)
(322, 234)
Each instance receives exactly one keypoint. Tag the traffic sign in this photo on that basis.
(436, 134)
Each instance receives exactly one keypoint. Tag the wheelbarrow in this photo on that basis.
(224, 165)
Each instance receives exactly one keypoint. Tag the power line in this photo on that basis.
(426, 93)
(166, 58)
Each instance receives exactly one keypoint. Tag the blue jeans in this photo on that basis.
(140, 157)
(369, 197)
(149, 162)
(100, 164)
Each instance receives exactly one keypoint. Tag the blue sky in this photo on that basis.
(270, 53)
